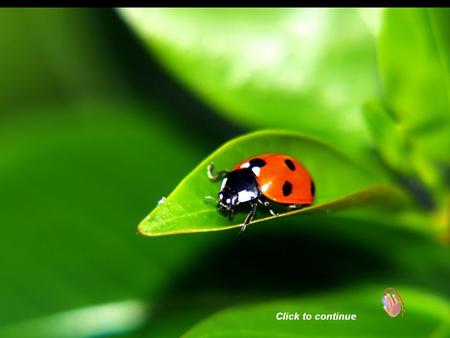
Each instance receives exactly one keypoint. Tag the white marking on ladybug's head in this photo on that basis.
(228, 201)
(265, 187)
(256, 170)
(223, 183)
(245, 165)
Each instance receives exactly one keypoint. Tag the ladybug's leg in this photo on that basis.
(211, 175)
(249, 217)
(296, 206)
(230, 213)
(272, 212)
(268, 205)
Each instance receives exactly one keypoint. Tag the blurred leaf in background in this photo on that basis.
(71, 205)
(427, 315)
(307, 70)
(413, 52)
(50, 56)
(73, 140)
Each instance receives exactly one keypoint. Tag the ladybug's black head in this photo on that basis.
(228, 199)
(238, 187)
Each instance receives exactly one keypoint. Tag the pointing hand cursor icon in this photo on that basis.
(393, 304)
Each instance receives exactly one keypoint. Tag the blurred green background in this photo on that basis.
(104, 111)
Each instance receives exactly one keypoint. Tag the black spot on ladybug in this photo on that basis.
(257, 162)
(313, 188)
(287, 188)
(290, 164)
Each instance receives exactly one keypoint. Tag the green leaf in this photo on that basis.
(426, 315)
(55, 54)
(306, 70)
(413, 65)
(389, 137)
(74, 183)
(110, 319)
(339, 183)
(413, 53)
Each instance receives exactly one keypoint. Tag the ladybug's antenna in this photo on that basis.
(210, 199)
(211, 175)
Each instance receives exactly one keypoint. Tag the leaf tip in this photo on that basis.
(140, 229)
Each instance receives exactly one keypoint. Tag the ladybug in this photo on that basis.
(267, 179)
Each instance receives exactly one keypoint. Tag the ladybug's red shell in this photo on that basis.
(281, 178)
